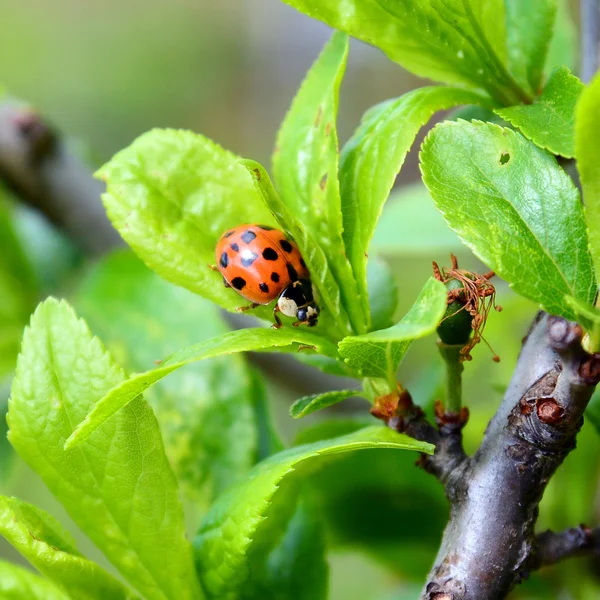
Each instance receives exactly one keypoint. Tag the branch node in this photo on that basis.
(564, 334)
(589, 369)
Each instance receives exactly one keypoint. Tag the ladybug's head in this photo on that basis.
(297, 301)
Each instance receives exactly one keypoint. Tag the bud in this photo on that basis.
(456, 328)
(470, 299)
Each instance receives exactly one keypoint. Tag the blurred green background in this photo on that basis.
(103, 73)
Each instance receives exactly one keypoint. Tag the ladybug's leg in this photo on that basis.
(213, 267)
(225, 283)
(277, 324)
(245, 308)
(299, 323)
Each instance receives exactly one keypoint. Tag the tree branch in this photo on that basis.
(590, 39)
(551, 547)
(489, 544)
(38, 167)
(449, 461)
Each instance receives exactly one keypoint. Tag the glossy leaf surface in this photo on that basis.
(244, 340)
(550, 121)
(226, 537)
(488, 181)
(379, 353)
(118, 487)
(373, 157)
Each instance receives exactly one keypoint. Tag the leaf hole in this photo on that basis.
(504, 158)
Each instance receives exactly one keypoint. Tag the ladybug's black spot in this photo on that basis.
(286, 245)
(303, 263)
(292, 272)
(224, 260)
(248, 258)
(238, 283)
(235, 247)
(265, 227)
(228, 234)
(264, 288)
(270, 254)
(248, 236)
(275, 277)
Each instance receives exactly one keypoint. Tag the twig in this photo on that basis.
(551, 547)
(38, 167)
(489, 544)
(449, 460)
(453, 357)
(590, 38)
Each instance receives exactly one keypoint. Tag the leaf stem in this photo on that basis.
(454, 368)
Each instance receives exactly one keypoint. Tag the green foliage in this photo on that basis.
(488, 180)
(207, 412)
(373, 156)
(383, 293)
(171, 195)
(305, 168)
(40, 539)
(17, 583)
(550, 121)
(378, 354)
(269, 515)
(244, 340)
(118, 487)
(457, 41)
(309, 404)
(587, 315)
(378, 502)
(297, 568)
(235, 521)
(587, 150)
(313, 254)
(529, 30)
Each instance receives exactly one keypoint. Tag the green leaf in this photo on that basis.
(377, 502)
(529, 31)
(550, 121)
(305, 168)
(207, 411)
(373, 157)
(383, 293)
(226, 537)
(17, 583)
(454, 41)
(309, 404)
(587, 150)
(244, 340)
(378, 354)
(587, 314)
(297, 566)
(171, 195)
(118, 487)
(514, 207)
(334, 319)
(411, 225)
(40, 539)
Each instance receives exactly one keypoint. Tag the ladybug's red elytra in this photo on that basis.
(261, 264)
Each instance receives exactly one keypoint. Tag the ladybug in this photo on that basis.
(261, 264)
